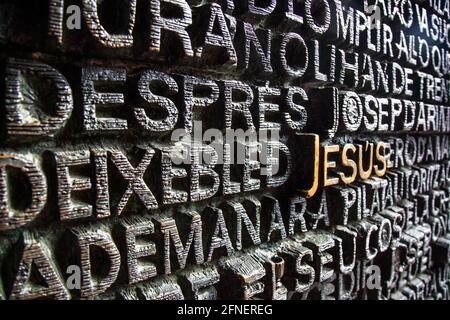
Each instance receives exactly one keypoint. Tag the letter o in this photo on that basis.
(294, 67)
(352, 111)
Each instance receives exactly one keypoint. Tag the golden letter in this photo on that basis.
(381, 158)
(326, 150)
(365, 174)
(348, 163)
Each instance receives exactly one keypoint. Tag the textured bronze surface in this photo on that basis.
(118, 179)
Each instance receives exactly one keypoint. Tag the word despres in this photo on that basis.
(225, 150)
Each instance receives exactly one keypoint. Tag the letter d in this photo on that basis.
(25, 82)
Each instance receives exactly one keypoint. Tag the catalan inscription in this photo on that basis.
(209, 150)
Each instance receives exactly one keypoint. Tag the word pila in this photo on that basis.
(403, 199)
(98, 171)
